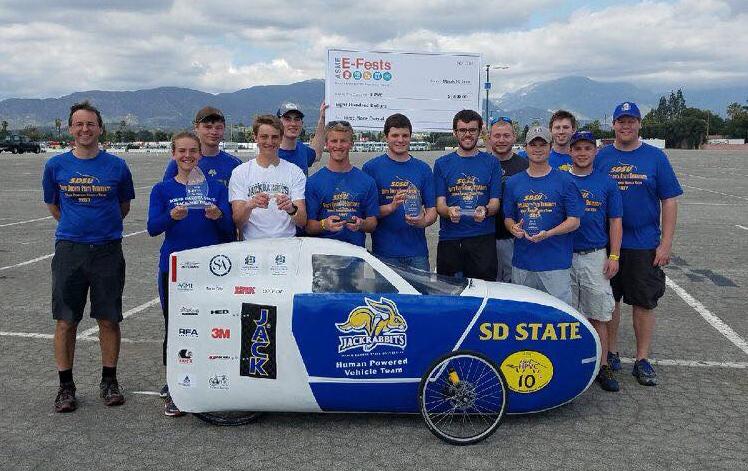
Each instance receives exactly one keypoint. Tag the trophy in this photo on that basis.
(469, 201)
(412, 204)
(197, 190)
(532, 223)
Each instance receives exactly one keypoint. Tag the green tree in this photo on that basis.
(58, 126)
(736, 125)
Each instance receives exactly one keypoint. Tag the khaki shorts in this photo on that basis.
(590, 291)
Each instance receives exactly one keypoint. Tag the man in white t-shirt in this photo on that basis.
(267, 193)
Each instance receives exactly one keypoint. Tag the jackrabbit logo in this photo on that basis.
(378, 323)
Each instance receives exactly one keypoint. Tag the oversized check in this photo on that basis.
(364, 87)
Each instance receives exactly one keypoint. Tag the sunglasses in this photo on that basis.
(332, 124)
(496, 119)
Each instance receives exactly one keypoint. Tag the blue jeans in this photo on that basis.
(419, 263)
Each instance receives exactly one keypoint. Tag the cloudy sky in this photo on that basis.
(52, 48)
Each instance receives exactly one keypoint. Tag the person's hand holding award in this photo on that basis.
(196, 190)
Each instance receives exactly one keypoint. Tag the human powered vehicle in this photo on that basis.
(315, 325)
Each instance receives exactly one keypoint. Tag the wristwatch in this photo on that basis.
(295, 210)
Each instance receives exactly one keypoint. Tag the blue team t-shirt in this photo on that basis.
(645, 177)
(302, 156)
(542, 203)
(560, 161)
(343, 194)
(602, 201)
(88, 193)
(216, 167)
(455, 176)
(193, 231)
(393, 236)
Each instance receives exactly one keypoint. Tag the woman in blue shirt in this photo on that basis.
(184, 228)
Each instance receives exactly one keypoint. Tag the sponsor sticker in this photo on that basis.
(189, 311)
(258, 341)
(218, 381)
(184, 357)
(220, 312)
(187, 332)
(242, 290)
(221, 357)
(250, 266)
(220, 265)
(185, 286)
(220, 333)
(279, 267)
(527, 371)
(186, 382)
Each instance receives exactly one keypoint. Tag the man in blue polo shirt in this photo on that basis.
(591, 266)
(341, 200)
(291, 148)
(88, 192)
(401, 238)
(467, 183)
(649, 189)
(542, 206)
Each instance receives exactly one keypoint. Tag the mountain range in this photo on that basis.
(174, 108)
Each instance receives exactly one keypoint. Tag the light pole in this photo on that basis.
(487, 85)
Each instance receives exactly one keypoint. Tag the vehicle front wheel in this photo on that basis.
(228, 418)
(462, 397)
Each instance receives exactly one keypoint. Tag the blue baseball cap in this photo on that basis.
(627, 108)
(582, 136)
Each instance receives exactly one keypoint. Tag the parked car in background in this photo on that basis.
(18, 144)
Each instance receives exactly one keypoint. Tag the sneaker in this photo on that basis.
(164, 393)
(111, 393)
(614, 360)
(65, 400)
(644, 373)
(170, 409)
(606, 380)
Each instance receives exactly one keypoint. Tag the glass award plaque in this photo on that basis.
(197, 190)
(532, 223)
(412, 204)
(469, 202)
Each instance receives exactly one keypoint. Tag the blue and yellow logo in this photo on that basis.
(378, 323)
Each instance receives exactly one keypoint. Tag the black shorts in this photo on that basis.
(474, 257)
(76, 268)
(638, 282)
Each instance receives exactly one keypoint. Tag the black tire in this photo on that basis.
(228, 418)
(477, 400)
(14, 150)
(37, 150)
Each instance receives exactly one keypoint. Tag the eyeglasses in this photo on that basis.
(496, 119)
(332, 124)
(466, 131)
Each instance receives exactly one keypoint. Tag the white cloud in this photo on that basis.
(226, 45)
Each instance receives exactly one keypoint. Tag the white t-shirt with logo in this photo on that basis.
(250, 178)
